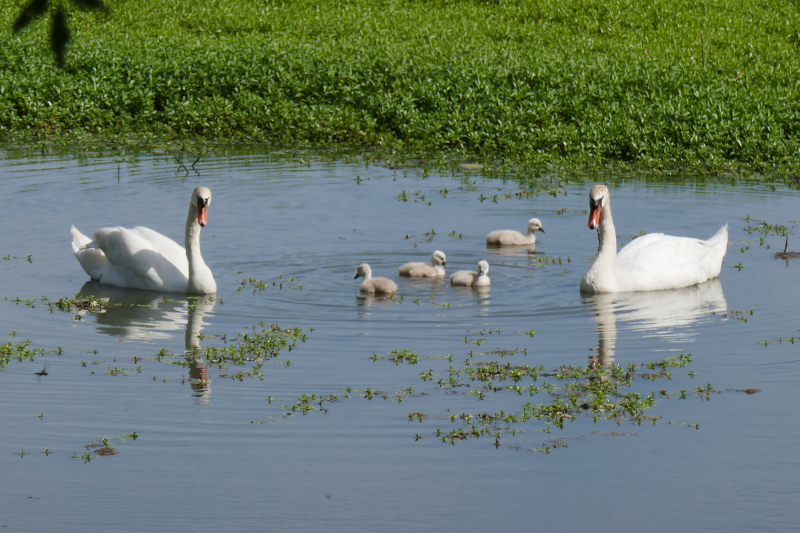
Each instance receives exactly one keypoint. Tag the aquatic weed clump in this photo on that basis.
(16, 350)
(594, 392)
(264, 343)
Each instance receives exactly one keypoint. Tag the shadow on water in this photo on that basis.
(147, 315)
(668, 314)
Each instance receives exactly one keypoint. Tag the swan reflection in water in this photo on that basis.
(665, 314)
(140, 314)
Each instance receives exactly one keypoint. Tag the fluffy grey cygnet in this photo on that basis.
(374, 285)
(511, 237)
(467, 278)
(424, 270)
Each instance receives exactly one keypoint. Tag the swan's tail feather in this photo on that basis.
(720, 235)
(79, 240)
(91, 258)
(718, 245)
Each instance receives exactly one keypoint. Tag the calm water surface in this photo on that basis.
(222, 455)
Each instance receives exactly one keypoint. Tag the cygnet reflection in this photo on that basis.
(667, 314)
(148, 315)
(512, 251)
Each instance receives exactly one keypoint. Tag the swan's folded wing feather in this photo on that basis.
(162, 244)
(134, 262)
(663, 262)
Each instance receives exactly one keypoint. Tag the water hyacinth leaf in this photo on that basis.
(59, 35)
(91, 4)
(32, 9)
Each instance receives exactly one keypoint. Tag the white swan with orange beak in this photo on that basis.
(141, 258)
(650, 262)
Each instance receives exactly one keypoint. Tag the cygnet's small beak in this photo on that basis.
(542, 229)
(356, 276)
(444, 264)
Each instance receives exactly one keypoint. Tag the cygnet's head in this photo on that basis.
(535, 224)
(438, 258)
(483, 268)
(598, 199)
(201, 198)
(363, 271)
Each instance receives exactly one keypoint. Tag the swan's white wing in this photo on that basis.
(657, 261)
(135, 263)
(174, 252)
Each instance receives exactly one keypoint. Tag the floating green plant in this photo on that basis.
(398, 356)
(266, 342)
(259, 285)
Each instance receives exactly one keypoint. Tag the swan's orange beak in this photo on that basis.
(201, 215)
(594, 216)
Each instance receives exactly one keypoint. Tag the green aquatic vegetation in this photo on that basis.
(540, 260)
(117, 371)
(28, 258)
(60, 34)
(590, 392)
(20, 351)
(266, 342)
(103, 447)
(701, 84)
(762, 226)
(260, 285)
(398, 356)
(78, 305)
(739, 315)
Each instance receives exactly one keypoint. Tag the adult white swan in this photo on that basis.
(141, 258)
(650, 262)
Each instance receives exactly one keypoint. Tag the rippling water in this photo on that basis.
(200, 464)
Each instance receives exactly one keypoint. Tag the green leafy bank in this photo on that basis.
(698, 83)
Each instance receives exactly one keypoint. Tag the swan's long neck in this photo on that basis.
(200, 280)
(607, 237)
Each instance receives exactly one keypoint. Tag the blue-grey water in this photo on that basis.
(221, 455)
